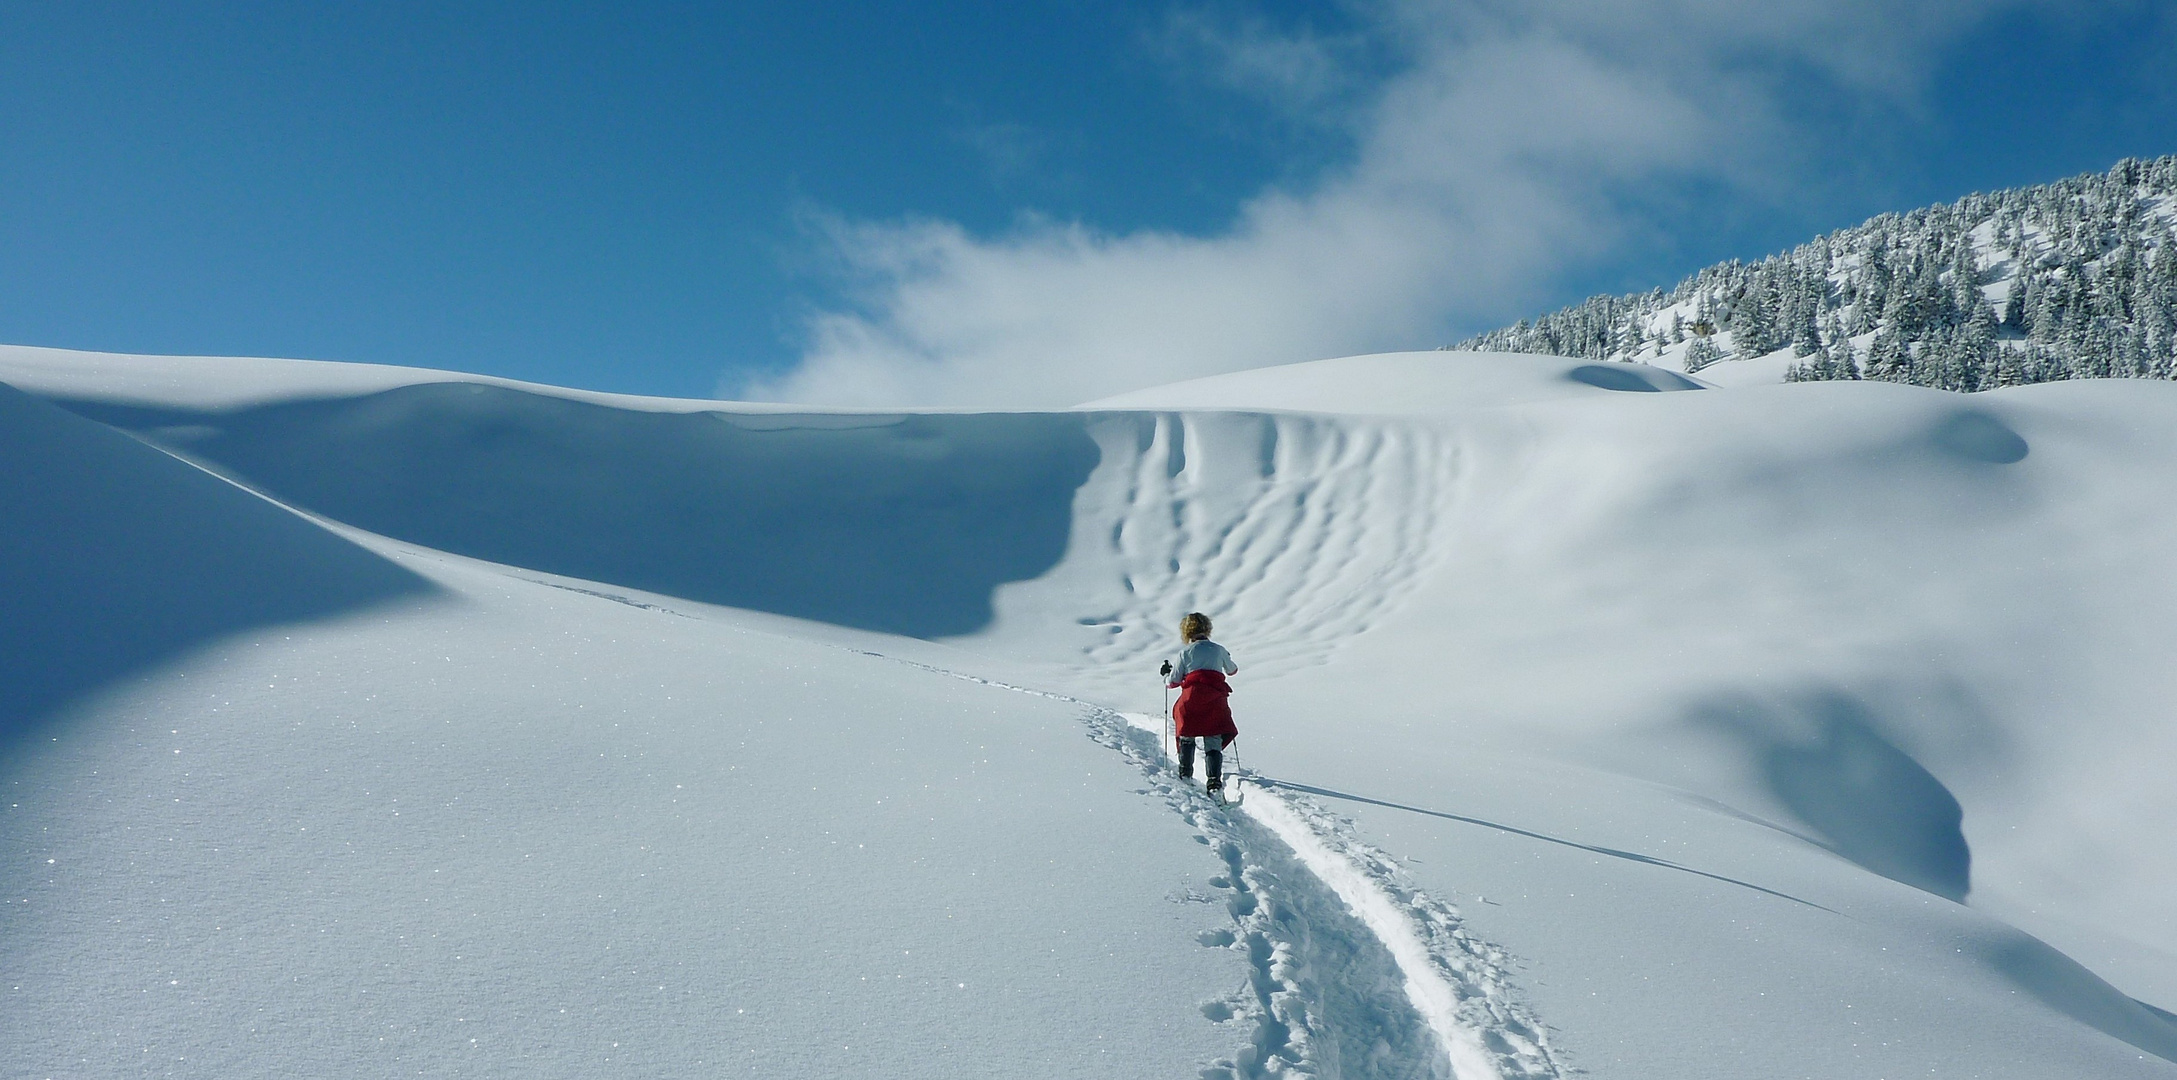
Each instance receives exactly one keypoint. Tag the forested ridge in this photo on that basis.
(2073, 279)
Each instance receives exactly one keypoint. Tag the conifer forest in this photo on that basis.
(2073, 279)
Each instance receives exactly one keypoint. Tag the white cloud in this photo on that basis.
(1010, 150)
(1493, 159)
(1301, 71)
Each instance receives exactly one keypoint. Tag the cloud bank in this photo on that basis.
(1500, 150)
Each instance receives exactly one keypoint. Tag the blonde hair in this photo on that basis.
(1194, 627)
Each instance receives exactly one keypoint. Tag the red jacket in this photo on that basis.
(1202, 708)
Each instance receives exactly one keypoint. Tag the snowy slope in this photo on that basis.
(1843, 610)
(501, 825)
(1645, 733)
(1402, 384)
(231, 382)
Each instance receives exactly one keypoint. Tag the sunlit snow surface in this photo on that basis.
(1599, 722)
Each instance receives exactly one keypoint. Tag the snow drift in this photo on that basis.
(1751, 731)
(118, 557)
(898, 523)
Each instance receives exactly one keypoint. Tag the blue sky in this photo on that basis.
(981, 203)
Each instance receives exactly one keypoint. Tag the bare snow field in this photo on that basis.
(1597, 720)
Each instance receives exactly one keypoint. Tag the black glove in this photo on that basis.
(1166, 670)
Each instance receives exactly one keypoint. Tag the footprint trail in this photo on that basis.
(1354, 972)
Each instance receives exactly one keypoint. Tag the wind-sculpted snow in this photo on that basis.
(1814, 730)
(1825, 757)
(898, 523)
(1303, 529)
(115, 557)
(1402, 384)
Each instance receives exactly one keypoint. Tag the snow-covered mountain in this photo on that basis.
(370, 721)
(2075, 279)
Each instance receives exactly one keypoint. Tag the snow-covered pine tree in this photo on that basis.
(1753, 319)
(2086, 268)
(1888, 358)
(1702, 353)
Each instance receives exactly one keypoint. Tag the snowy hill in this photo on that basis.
(1810, 730)
(1401, 384)
(2075, 279)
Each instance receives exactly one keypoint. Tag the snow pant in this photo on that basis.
(1213, 756)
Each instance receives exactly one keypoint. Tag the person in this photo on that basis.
(1202, 711)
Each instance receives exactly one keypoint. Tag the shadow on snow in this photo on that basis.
(897, 523)
(115, 557)
(1629, 856)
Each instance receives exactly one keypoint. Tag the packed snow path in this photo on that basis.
(1354, 972)
(1358, 974)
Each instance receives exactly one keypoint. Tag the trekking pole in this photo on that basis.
(1171, 738)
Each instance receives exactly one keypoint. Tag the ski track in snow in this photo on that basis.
(1455, 981)
(1380, 958)
(1354, 972)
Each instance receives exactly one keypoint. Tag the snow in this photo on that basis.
(518, 829)
(1772, 730)
(231, 382)
(1403, 384)
(1757, 371)
(1393, 923)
